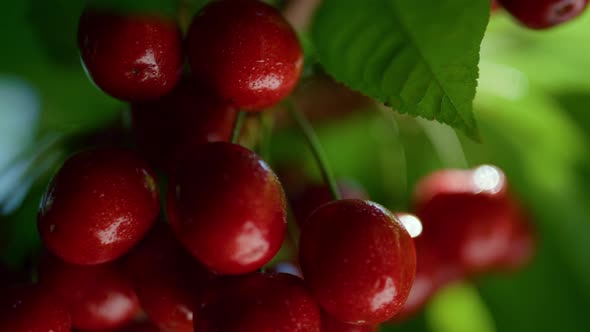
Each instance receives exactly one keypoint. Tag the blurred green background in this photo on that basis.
(531, 106)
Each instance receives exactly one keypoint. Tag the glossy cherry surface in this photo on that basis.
(228, 208)
(100, 204)
(167, 279)
(330, 324)
(358, 261)
(98, 297)
(253, 59)
(542, 14)
(259, 303)
(30, 308)
(469, 217)
(169, 129)
(130, 57)
(303, 203)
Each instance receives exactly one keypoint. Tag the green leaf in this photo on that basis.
(418, 56)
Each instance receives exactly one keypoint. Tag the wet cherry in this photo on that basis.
(228, 208)
(98, 297)
(167, 279)
(100, 204)
(329, 324)
(259, 303)
(30, 308)
(303, 203)
(130, 57)
(253, 59)
(358, 260)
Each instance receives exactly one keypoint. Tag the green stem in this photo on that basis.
(266, 123)
(235, 135)
(316, 149)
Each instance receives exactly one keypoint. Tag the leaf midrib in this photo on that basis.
(395, 11)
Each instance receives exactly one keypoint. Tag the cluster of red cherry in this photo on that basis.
(111, 257)
(542, 14)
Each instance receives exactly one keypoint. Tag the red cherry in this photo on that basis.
(98, 297)
(543, 14)
(168, 129)
(259, 303)
(228, 208)
(315, 195)
(330, 324)
(522, 243)
(139, 327)
(358, 261)
(100, 204)
(253, 59)
(31, 308)
(432, 273)
(130, 57)
(167, 279)
(495, 5)
(472, 222)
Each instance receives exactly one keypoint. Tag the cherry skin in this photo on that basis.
(139, 327)
(315, 195)
(432, 274)
(543, 14)
(259, 303)
(100, 204)
(130, 57)
(31, 308)
(167, 279)
(358, 261)
(253, 59)
(495, 5)
(522, 242)
(228, 208)
(330, 324)
(469, 217)
(98, 297)
(170, 128)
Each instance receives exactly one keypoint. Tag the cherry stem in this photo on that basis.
(316, 149)
(235, 135)
(266, 123)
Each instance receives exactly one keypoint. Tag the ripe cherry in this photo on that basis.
(31, 308)
(358, 261)
(542, 14)
(228, 208)
(494, 5)
(432, 273)
(100, 204)
(98, 297)
(330, 324)
(303, 203)
(167, 279)
(139, 327)
(253, 59)
(469, 217)
(130, 57)
(259, 303)
(170, 128)
(522, 243)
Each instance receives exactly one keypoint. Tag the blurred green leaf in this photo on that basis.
(418, 56)
(54, 23)
(459, 308)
